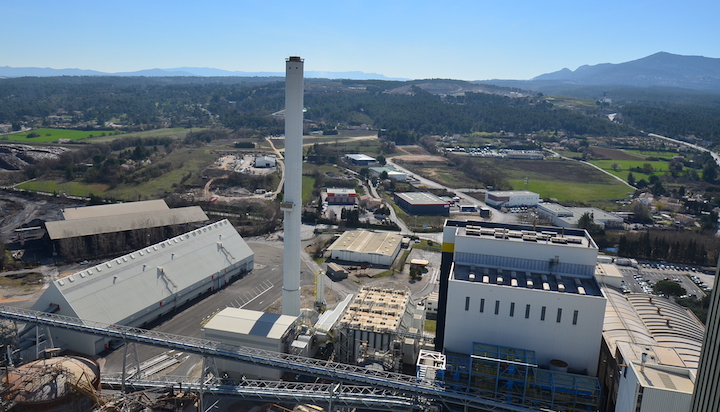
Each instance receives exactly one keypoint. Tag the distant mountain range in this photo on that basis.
(182, 71)
(660, 70)
(657, 70)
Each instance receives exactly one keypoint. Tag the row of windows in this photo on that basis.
(543, 310)
(530, 265)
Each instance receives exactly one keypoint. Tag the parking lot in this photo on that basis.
(642, 279)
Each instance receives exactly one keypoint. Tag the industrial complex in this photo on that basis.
(515, 318)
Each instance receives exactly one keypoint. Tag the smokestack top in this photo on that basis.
(294, 59)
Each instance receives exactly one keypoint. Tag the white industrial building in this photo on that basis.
(377, 248)
(141, 286)
(265, 161)
(511, 285)
(563, 216)
(516, 198)
(391, 173)
(251, 329)
(650, 353)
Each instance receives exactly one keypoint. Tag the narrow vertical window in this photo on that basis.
(559, 315)
(512, 309)
(542, 313)
(497, 307)
(482, 305)
(575, 316)
(467, 303)
(527, 311)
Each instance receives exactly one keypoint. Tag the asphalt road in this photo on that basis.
(256, 291)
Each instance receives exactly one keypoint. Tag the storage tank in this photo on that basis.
(64, 383)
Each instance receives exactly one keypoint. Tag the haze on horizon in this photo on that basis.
(466, 39)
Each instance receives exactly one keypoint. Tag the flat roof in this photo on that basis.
(389, 170)
(542, 235)
(526, 280)
(250, 322)
(421, 198)
(363, 241)
(510, 192)
(340, 191)
(377, 309)
(113, 209)
(63, 229)
(359, 156)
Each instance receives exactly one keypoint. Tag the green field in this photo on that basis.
(95, 136)
(564, 180)
(623, 170)
(68, 188)
(184, 161)
(52, 135)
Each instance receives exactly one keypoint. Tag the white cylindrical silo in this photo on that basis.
(292, 202)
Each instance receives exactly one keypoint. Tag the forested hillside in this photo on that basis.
(404, 111)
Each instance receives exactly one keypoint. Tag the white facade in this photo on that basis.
(265, 161)
(558, 325)
(515, 286)
(292, 204)
(652, 388)
(141, 286)
(250, 329)
(512, 198)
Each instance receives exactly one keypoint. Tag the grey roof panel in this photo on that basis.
(114, 209)
(63, 229)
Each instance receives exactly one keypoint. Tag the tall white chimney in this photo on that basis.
(292, 201)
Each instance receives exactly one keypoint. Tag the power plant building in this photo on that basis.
(141, 286)
(362, 246)
(251, 329)
(650, 354)
(381, 326)
(503, 284)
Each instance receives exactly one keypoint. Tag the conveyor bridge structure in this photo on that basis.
(392, 387)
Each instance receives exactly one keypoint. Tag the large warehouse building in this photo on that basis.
(504, 284)
(362, 246)
(422, 203)
(108, 229)
(141, 286)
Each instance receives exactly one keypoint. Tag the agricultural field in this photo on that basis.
(53, 135)
(620, 162)
(564, 180)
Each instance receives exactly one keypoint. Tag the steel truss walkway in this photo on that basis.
(298, 392)
(415, 392)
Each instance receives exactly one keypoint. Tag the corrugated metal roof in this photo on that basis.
(63, 229)
(250, 322)
(113, 209)
(362, 241)
(118, 290)
(635, 319)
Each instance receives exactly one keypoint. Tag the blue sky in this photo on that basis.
(470, 40)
